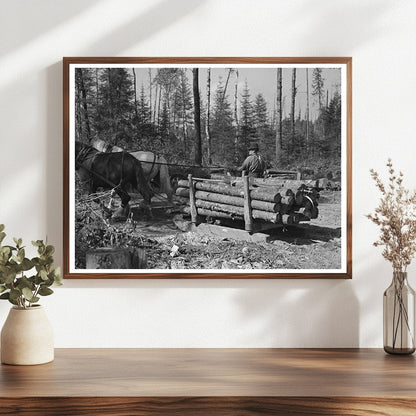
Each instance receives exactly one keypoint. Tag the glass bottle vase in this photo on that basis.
(399, 316)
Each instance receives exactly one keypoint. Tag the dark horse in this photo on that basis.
(117, 171)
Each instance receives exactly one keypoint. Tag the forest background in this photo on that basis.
(210, 116)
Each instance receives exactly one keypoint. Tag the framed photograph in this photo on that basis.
(207, 168)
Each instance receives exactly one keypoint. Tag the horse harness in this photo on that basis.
(87, 154)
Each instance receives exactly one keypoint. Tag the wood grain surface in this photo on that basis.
(212, 381)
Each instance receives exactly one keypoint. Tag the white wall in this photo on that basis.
(380, 35)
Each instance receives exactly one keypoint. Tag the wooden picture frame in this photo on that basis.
(319, 99)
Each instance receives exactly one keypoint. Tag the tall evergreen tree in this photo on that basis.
(330, 146)
(247, 120)
(222, 129)
(85, 104)
(260, 112)
(116, 108)
(318, 86)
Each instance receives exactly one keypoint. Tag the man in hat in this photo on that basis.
(254, 164)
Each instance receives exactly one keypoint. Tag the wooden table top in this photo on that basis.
(214, 372)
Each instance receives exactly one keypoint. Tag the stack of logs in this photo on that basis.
(249, 199)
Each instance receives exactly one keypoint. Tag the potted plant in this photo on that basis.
(27, 336)
(396, 217)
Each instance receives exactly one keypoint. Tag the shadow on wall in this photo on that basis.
(351, 25)
(156, 18)
(300, 313)
(41, 16)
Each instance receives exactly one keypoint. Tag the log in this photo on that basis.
(290, 219)
(285, 208)
(215, 214)
(237, 201)
(308, 212)
(116, 258)
(184, 192)
(217, 206)
(258, 194)
(234, 211)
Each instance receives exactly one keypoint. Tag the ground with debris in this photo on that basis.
(314, 245)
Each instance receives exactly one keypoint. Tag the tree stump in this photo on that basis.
(116, 258)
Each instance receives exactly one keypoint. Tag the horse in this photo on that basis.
(115, 171)
(154, 166)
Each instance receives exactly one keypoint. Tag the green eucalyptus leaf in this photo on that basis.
(24, 282)
(15, 294)
(58, 276)
(26, 264)
(21, 255)
(49, 250)
(5, 295)
(2, 226)
(9, 277)
(18, 242)
(27, 293)
(43, 274)
(2, 288)
(13, 302)
(45, 291)
(2, 236)
(37, 243)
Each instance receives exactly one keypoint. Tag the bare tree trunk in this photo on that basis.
(158, 108)
(197, 117)
(150, 94)
(279, 118)
(184, 128)
(111, 107)
(85, 106)
(226, 84)
(307, 114)
(155, 105)
(135, 95)
(236, 139)
(96, 89)
(292, 114)
(207, 124)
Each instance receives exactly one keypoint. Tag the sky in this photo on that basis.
(261, 80)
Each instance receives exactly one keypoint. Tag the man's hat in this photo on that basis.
(254, 146)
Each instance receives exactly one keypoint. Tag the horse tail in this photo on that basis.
(164, 179)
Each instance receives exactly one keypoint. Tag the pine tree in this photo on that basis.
(260, 112)
(247, 120)
(330, 146)
(182, 109)
(318, 86)
(222, 129)
(85, 104)
(116, 109)
(164, 123)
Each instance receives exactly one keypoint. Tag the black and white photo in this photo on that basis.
(213, 167)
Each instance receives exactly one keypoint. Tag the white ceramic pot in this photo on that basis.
(27, 337)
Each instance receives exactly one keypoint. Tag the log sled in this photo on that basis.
(252, 200)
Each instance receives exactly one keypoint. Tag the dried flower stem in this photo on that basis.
(396, 216)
